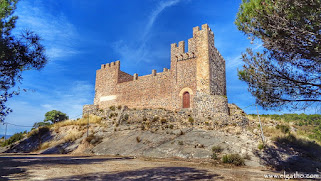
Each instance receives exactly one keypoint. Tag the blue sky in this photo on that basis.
(80, 35)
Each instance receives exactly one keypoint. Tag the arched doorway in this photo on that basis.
(186, 100)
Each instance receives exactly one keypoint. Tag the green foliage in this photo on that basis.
(288, 71)
(191, 120)
(113, 115)
(214, 156)
(284, 128)
(55, 116)
(234, 159)
(217, 149)
(112, 108)
(310, 123)
(14, 138)
(261, 146)
(298, 119)
(40, 124)
(291, 140)
(17, 54)
(39, 131)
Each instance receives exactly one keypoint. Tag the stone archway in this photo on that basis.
(186, 100)
(188, 92)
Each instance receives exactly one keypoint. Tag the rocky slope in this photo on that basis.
(160, 133)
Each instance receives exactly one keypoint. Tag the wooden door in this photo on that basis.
(186, 100)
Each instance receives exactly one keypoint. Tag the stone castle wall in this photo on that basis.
(200, 71)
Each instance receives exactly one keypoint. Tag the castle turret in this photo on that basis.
(106, 80)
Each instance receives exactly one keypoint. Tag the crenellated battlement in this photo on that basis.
(111, 65)
(195, 77)
(204, 27)
(178, 52)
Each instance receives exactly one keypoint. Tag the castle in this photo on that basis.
(196, 81)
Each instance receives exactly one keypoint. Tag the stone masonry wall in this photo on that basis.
(124, 77)
(199, 71)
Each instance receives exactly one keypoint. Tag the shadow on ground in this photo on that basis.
(159, 173)
(302, 155)
(10, 165)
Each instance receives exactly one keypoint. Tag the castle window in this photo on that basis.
(186, 100)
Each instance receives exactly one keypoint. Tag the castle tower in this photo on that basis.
(195, 81)
(203, 65)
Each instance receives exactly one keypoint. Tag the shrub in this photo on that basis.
(284, 128)
(80, 122)
(89, 138)
(144, 119)
(180, 143)
(113, 115)
(234, 159)
(171, 126)
(247, 157)
(119, 107)
(112, 108)
(138, 139)
(217, 149)
(142, 127)
(125, 118)
(14, 138)
(163, 121)
(214, 156)
(43, 130)
(156, 118)
(181, 132)
(39, 131)
(261, 146)
(191, 120)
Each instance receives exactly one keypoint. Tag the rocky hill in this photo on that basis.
(161, 133)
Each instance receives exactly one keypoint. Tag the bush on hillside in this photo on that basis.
(14, 138)
(234, 159)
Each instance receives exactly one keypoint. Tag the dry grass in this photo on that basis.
(80, 122)
(73, 135)
(271, 131)
(50, 144)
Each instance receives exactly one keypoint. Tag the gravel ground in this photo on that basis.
(87, 167)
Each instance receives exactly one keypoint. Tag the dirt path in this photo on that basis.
(69, 167)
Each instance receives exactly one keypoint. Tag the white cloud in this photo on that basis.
(58, 34)
(137, 52)
(235, 62)
(161, 7)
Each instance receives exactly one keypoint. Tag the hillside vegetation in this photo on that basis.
(303, 125)
(290, 139)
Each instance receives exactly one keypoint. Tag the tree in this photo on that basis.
(17, 54)
(40, 124)
(287, 73)
(55, 116)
